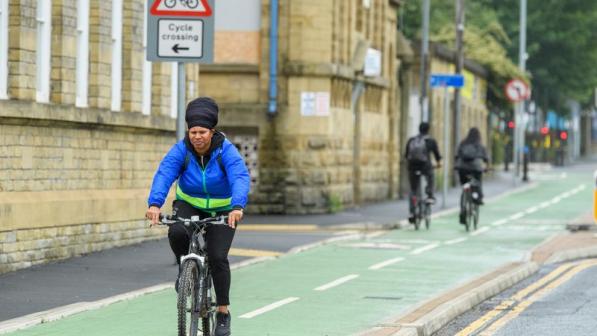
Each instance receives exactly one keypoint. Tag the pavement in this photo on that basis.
(422, 318)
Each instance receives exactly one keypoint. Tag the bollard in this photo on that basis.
(595, 199)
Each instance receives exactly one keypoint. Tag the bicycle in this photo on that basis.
(469, 205)
(422, 207)
(191, 4)
(195, 288)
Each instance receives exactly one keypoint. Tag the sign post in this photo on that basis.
(517, 92)
(446, 81)
(180, 31)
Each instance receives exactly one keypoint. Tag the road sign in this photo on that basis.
(180, 8)
(517, 90)
(180, 31)
(443, 80)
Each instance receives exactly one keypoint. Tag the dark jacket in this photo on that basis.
(476, 164)
(432, 148)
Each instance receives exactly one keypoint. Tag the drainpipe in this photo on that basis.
(273, 59)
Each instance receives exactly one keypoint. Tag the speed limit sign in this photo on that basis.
(517, 90)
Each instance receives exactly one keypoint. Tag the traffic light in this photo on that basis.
(564, 135)
(510, 124)
(544, 130)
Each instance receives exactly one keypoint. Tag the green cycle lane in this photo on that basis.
(360, 283)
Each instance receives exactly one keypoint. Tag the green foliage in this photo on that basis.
(335, 203)
(561, 44)
(561, 47)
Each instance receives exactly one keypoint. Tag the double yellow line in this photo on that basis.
(510, 308)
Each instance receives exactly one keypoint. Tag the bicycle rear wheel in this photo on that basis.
(188, 305)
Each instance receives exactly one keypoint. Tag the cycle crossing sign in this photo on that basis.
(181, 8)
(180, 31)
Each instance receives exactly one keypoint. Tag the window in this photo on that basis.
(82, 52)
(147, 70)
(174, 90)
(44, 47)
(4, 49)
(116, 55)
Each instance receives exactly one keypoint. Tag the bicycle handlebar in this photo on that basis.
(194, 220)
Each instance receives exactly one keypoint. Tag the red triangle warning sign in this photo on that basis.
(180, 8)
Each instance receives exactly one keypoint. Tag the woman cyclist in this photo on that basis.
(469, 162)
(212, 180)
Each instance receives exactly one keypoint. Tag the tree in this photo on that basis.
(562, 47)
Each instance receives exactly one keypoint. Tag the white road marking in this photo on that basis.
(268, 307)
(531, 210)
(500, 222)
(424, 248)
(480, 231)
(336, 282)
(385, 263)
(516, 216)
(455, 241)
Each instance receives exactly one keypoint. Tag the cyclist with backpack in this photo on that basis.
(418, 155)
(470, 156)
(213, 180)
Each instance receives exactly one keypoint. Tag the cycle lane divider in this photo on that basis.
(269, 307)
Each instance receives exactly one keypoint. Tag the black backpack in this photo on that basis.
(417, 149)
(469, 152)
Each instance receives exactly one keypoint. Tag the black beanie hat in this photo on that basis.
(202, 111)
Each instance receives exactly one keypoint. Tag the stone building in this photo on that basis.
(84, 119)
(315, 150)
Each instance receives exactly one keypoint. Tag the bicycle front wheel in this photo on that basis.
(188, 305)
(475, 215)
(427, 215)
(208, 316)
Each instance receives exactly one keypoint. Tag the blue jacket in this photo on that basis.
(209, 189)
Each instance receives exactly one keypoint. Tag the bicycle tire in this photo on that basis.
(187, 289)
(475, 215)
(467, 212)
(170, 3)
(208, 318)
(417, 215)
(427, 216)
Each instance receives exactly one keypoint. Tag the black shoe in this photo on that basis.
(411, 219)
(222, 324)
(462, 219)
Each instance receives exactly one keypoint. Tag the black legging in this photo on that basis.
(218, 241)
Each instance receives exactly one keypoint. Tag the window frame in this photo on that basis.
(147, 70)
(43, 56)
(116, 70)
(82, 63)
(4, 17)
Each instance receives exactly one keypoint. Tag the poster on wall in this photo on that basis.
(315, 104)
